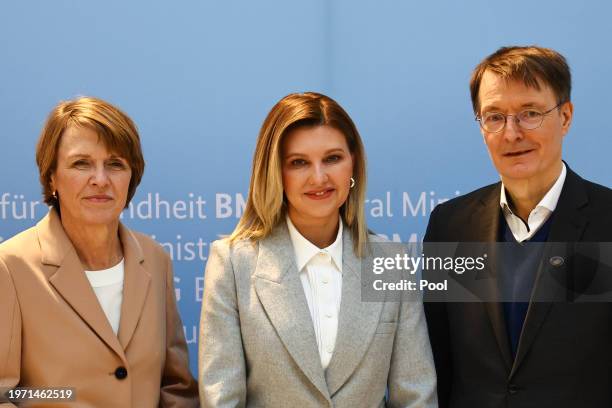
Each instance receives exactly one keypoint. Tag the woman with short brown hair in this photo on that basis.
(85, 302)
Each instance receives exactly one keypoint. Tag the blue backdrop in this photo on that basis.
(198, 77)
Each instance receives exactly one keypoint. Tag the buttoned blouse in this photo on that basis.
(321, 276)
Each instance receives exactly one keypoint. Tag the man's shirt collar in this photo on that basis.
(525, 230)
(550, 199)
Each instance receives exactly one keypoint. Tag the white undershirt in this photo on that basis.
(321, 276)
(537, 216)
(108, 286)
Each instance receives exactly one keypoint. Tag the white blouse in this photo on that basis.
(108, 286)
(321, 276)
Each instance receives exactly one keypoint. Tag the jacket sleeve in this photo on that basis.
(10, 334)
(222, 368)
(178, 387)
(437, 325)
(412, 377)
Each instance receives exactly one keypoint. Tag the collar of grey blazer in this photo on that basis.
(71, 283)
(280, 291)
(277, 256)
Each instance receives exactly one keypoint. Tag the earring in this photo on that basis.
(352, 182)
(54, 194)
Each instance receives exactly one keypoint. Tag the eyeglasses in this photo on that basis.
(528, 119)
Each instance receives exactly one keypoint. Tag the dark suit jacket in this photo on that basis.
(564, 357)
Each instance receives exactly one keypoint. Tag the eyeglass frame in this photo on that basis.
(516, 118)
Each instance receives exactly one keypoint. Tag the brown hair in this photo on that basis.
(114, 128)
(531, 65)
(265, 206)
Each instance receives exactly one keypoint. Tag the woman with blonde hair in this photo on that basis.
(283, 324)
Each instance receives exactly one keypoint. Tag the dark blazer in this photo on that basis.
(564, 356)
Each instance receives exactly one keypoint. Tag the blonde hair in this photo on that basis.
(265, 206)
(114, 128)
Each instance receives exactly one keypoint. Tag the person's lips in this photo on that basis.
(98, 198)
(319, 194)
(518, 152)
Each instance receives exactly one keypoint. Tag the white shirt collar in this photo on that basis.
(550, 199)
(305, 250)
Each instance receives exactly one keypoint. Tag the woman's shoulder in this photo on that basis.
(234, 249)
(22, 244)
(380, 245)
(233, 260)
(374, 238)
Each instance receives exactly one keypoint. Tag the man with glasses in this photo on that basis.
(522, 351)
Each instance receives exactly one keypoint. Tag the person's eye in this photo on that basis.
(493, 117)
(334, 158)
(116, 164)
(530, 115)
(81, 164)
(297, 162)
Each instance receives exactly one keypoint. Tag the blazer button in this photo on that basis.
(120, 373)
(513, 389)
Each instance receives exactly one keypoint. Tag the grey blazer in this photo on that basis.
(257, 342)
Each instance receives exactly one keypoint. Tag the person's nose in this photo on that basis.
(319, 175)
(512, 131)
(100, 176)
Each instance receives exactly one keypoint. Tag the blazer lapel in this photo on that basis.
(567, 226)
(569, 221)
(69, 279)
(357, 320)
(135, 286)
(279, 289)
(488, 218)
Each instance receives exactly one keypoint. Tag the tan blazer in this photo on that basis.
(258, 347)
(54, 333)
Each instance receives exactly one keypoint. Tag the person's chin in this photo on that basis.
(321, 213)
(518, 172)
(99, 216)
(516, 168)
